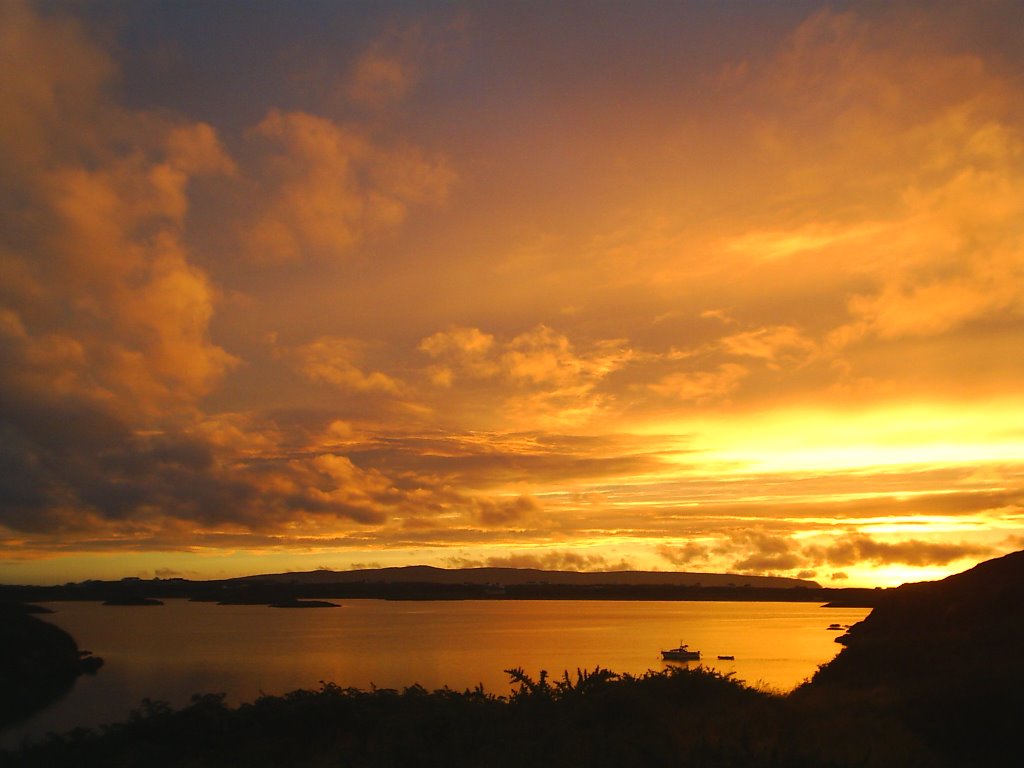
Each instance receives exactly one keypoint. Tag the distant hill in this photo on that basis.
(423, 582)
(425, 574)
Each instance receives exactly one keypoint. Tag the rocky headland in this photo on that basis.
(945, 659)
(38, 663)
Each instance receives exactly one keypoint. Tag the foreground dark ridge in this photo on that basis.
(945, 658)
(897, 695)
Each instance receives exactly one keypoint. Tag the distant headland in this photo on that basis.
(427, 574)
(423, 582)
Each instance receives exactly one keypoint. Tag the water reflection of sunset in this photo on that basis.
(439, 285)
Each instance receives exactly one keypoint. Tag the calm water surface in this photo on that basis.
(173, 651)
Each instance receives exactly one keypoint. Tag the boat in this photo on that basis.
(727, 658)
(682, 653)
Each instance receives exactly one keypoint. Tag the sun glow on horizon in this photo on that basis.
(903, 435)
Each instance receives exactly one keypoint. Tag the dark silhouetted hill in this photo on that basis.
(421, 582)
(965, 626)
(426, 574)
(38, 663)
(946, 658)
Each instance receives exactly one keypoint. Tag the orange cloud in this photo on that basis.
(505, 512)
(774, 345)
(543, 377)
(701, 386)
(467, 350)
(50, 88)
(379, 78)
(109, 306)
(396, 61)
(333, 360)
(326, 187)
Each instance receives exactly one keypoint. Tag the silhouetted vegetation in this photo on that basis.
(933, 678)
(679, 716)
(596, 718)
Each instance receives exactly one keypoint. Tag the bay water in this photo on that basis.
(170, 652)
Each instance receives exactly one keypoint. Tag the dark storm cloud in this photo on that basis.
(51, 454)
(62, 454)
(685, 554)
(559, 560)
(764, 552)
(503, 512)
(769, 562)
(863, 549)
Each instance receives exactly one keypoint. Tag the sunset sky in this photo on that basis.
(732, 286)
